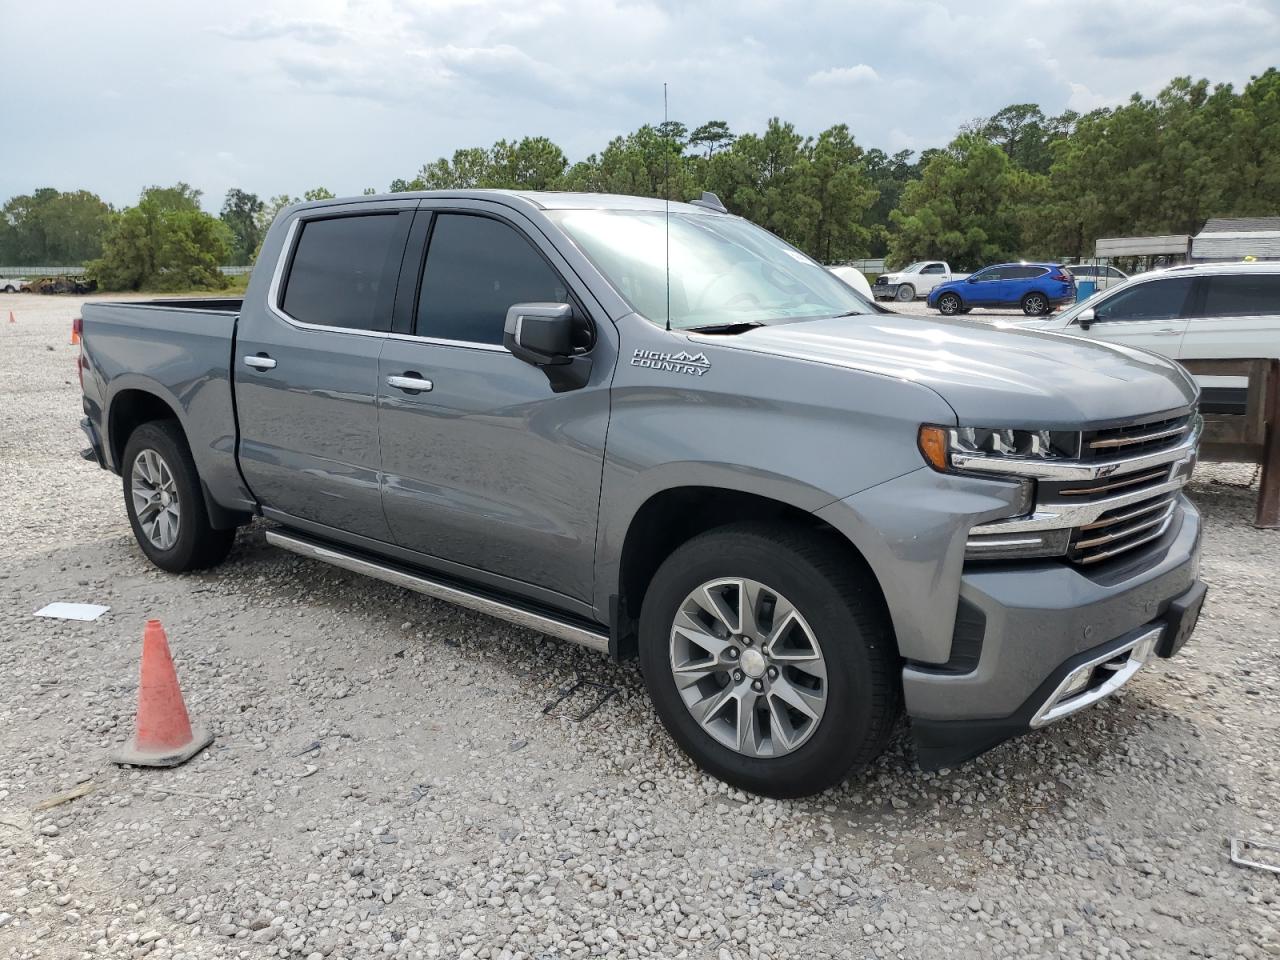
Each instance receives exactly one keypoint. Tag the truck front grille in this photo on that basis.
(1121, 529)
(1119, 494)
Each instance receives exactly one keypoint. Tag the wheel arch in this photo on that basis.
(675, 515)
(129, 408)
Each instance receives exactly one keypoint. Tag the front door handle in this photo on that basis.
(410, 382)
(260, 362)
(1166, 333)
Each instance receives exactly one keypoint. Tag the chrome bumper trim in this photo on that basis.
(1139, 651)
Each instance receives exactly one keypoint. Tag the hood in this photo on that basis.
(990, 377)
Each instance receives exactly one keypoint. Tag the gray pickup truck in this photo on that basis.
(666, 434)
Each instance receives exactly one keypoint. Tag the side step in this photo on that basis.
(420, 583)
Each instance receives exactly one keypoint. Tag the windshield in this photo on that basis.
(723, 270)
(912, 267)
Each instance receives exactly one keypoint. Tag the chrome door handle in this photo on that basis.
(260, 363)
(408, 382)
(1165, 333)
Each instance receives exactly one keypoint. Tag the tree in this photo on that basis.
(52, 228)
(969, 207)
(319, 193)
(241, 212)
(166, 242)
(712, 136)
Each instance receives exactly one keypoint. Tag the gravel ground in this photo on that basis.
(384, 781)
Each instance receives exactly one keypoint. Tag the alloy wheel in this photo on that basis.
(155, 499)
(748, 667)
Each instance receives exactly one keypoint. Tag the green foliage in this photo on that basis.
(968, 207)
(319, 193)
(240, 212)
(164, 243)
(52, 228)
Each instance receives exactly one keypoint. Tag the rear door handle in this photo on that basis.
(260, 362)
(410, 382)
(1166, 333)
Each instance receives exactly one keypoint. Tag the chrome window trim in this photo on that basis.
(277, 283)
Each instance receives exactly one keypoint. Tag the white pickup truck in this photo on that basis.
(914, 281)
(1212, 311)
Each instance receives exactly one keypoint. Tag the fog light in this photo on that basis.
(1145, 647)
(1076, 682)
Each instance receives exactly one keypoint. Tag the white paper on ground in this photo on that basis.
(73, 611)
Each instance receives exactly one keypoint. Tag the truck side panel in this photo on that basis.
(187, 367)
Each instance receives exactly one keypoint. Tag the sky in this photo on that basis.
(278, 96)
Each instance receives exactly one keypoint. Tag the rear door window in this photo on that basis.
(1242, 295)
(1153, 300)
(342, 272)
(476, 268)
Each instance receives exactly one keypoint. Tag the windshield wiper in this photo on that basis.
(742, 326)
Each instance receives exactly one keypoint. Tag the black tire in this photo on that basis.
(1035, 304)
(197, 545)
(904, 293)
(949, 305)
(840, 602)
(10, 288)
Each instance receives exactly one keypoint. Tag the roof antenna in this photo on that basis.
(666, 191)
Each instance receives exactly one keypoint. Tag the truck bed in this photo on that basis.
(179, 350)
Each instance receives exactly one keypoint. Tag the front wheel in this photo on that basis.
(1035, 304)
(905, 292)
(949, 304)
(769, 658)
(164, 501)
(10, 288)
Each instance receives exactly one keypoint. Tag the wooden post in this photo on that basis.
(1268, 514)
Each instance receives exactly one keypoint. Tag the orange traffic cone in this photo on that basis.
(164, 735)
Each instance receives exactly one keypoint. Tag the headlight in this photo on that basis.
(950, 449)
(990, 452)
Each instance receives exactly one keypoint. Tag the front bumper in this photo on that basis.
(1036, 626)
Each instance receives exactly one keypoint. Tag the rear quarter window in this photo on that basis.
(1242, 295)
(338, 274)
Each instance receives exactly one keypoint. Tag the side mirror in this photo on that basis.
(540, 334)
(1086, 318)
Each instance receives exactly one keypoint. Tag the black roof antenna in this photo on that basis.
(666, 206)
(710, 201)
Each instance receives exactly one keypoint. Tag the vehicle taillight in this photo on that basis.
(1060, 277)
(77, 328)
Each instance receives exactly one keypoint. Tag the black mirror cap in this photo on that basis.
(540, 333)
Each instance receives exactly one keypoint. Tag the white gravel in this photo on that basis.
(384, 783)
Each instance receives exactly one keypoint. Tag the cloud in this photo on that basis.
(353, 93)
(844, 76)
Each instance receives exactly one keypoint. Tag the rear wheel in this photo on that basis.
(164, 501)
(949, 304)
(1034, 304)
(905, 292)
(769, 659)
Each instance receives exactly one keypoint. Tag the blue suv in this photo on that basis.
(1035, 287)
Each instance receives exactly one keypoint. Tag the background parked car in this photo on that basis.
(1035, 287)
(854, 278)
(12, 284)
(1220, 311)
(914, 281)
(1103, 276)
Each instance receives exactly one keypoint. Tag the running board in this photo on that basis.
(440, 591)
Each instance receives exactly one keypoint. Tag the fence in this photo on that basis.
(28, 273)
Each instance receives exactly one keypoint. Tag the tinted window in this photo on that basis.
(338, 270)
(933, 268)
(1022, 273)
(476, 268)
(1084, 270)
(991, 273)
(1114, 274)
(1154, 300)
(1242, 295)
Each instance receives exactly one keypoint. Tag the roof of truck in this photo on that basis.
(544, 200)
